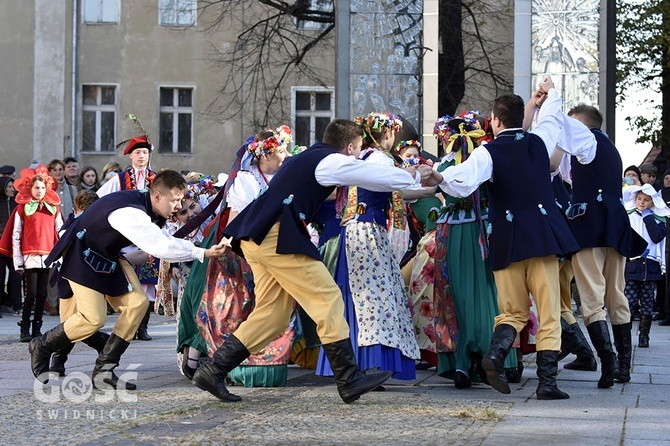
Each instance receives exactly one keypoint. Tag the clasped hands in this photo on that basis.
(543, 88)
(429, 177)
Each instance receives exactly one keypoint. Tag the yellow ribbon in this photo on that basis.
(469, 136)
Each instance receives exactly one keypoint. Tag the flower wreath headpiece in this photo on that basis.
(281, 137)
(408, 143)
(201, 191)
(23, 187)
(457, 132)
(378, 122)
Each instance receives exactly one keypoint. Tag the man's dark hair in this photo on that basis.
(591, 116)
(70, 159)
(341, 132)
(168, 179)
(509, 108)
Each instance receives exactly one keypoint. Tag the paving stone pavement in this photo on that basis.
(167, 409)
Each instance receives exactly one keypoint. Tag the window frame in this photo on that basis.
(194, 4)
(313, 114)
(309, 25)
(175, 110)
(99, 22)
(98, 109)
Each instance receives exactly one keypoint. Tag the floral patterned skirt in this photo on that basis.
(420, 294)
(376, 305)
(227, 301)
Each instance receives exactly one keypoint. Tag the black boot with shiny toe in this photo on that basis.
(503, 338)
(212, 372)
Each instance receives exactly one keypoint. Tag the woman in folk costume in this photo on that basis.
(197, 197)
(368, 272)
(30, 234)
(422, 275)
(227, 297)
(465, 295)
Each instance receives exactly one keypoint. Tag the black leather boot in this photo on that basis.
(103, 373)
(351, 382)
(579, 346)
(600, 337)
(97, 341)
(42, 347)
(462, 380)
(476, 359)
(644, 327)
(494, 359)
(142, 333)
(59, 359)
(568, 339)
(623, 345)
(25, 331)
(212, 372)
(36, 328)
(547, 368)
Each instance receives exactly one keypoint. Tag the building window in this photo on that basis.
(312, 110)
(101, 11)
(98, 118)
(177, 12)
(316, 5)
(176, 120)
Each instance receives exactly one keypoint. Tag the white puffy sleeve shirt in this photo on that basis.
(136, 226)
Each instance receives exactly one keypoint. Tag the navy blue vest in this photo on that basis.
(525, 221)
(602, 220)
(90, 246)
(561, 194)
(292, 199)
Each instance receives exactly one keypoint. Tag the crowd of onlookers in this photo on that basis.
(69, 178)
(647, 173)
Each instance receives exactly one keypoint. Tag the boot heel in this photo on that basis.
(493, 377)
(366, 383)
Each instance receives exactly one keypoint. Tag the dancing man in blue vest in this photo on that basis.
(602, 229)
(272, 235)
(98, 272)
(527, 231)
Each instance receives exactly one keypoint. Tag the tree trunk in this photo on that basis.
(451, 68)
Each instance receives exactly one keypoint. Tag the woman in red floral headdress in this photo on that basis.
(29, 236)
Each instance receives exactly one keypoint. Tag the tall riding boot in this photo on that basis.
(59, 359)
(96, 341)
(568, 339)
(42, 347)
(623, 345)
(212, 372)
(25, 331)
(351, 382)
(645, 325)
(142, 333)
(494, 359)
(36, 328)
(573, 341)
(600, 337)
(108, 360)
(547, 368)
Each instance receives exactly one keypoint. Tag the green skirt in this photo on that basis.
(475, 301)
